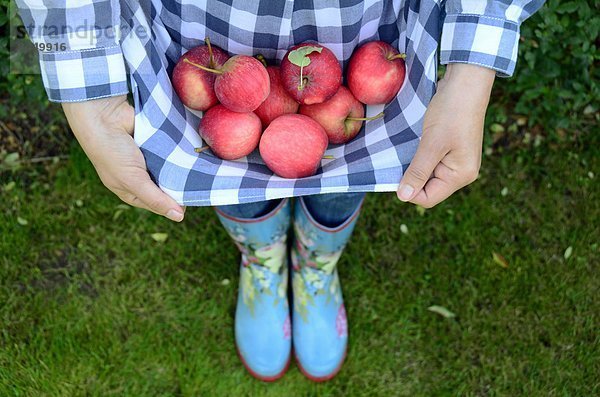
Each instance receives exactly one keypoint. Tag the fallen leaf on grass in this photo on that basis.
(11, 158)
(442, 311)
(589, 109)
(521, 121)
(497, 128)
(159, 237)
(119, 211)
(568, 252)
(9, 186)
(499, 260)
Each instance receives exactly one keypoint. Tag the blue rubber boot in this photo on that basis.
(262, 316)
(320, 330)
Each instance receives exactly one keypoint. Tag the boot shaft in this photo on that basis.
(262, 241)
(316, 245)
(320, 328)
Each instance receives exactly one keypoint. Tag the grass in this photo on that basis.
(92, 305)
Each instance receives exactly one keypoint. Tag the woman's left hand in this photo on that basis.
(449, 154)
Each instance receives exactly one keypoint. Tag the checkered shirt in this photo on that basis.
(110, 43)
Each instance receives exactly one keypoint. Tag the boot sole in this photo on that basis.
(260, 377)
(324, 378)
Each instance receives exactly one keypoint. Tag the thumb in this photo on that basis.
(125, 116)
(156, 200)
(421, 168)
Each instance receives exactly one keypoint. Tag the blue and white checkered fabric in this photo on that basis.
(90, 62)
(155, 33)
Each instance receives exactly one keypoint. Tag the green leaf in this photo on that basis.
(22, 221)
(299, 56)
(11, 158)
(499, 260)
(496, 128)
(159, 237)
(568, 252)
(442, 311)
(117, 214)
(9, 186)
(568, 7)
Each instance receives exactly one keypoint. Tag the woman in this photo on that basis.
(478, 40)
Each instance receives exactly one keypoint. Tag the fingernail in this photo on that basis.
(406, 192)
(175, 215)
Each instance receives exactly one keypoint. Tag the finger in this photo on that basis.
(128, 117)
(434, 192)
(125, 114)
(445, 182)
(136, 202)
(421, 168)
(156, 200)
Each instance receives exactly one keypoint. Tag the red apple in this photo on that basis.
(341, 116)
(375, 73)
(317, 80)
(293, 145)
(194, 86)
(230, 134)
(278, 102)
(242, 83)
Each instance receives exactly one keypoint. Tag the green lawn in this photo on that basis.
(91, 304)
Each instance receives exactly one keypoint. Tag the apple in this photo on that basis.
(310, 73)
(278, 102)
(375, 73)
(341, 116)
(293, 145)
(242, 83)
(230, 135)
(194, 86)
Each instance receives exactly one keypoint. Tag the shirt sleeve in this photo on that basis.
(82, 59)
(485, 33)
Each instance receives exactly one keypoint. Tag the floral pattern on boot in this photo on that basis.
(314, 271)
(259, 265)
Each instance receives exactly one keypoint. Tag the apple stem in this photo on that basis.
(328, 157)
(262, 59)
(397, 56)
(203, 67)
(301, 85)
(365, 118)
(211, 60)
(201, 149)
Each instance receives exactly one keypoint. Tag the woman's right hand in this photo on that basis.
(104, 129)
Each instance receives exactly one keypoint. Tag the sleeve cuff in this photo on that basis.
(480, 40)
(74, 76)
